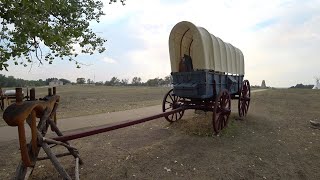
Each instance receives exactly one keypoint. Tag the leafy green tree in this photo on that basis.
(11, 81)
(81, 80)
(43, 30)
(100, 83)
(155, 82)
(302, 86)
(107, 83)
(136, 81)
(167, 80)
(124, 82)
(114, 81)
(65, 81)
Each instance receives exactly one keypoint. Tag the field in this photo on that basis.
(86, 100)
(274, 142)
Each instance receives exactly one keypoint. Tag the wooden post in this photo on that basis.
(32, 94)
(54, 90)
(19, 96)
(49, 92)
(55, 161)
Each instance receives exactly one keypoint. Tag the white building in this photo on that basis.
(317, 85)
(55, 83)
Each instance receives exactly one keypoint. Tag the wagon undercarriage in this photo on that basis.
(219, 105)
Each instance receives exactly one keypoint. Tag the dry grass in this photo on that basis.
(86, 100)
(284, 102)
(274, 142)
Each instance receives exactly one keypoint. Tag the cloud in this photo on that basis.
(279, 38)
(109, 60)
(267, 32)
(264, 24)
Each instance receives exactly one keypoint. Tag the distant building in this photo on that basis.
(263, 84)
(317, 84)
(55, 83)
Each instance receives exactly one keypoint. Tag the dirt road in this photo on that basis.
(8, 133)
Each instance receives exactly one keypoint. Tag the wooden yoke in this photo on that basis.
(16, 114)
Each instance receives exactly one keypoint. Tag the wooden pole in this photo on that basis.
(19, 96)
(32, 94)
(49, 92)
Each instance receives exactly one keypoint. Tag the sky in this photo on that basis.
(280, 40)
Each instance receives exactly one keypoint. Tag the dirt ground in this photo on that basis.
(83, 100)
(274, 142)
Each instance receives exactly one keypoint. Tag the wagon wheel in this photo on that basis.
(171, 102)
(221, 111)
(244, 99)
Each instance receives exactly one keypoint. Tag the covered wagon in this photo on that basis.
(207, 73)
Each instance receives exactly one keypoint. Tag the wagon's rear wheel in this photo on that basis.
(244, 99)
(221, 111)
(170, 102)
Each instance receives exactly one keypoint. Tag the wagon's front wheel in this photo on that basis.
(244, 99)
(170, 102)
(221, 111)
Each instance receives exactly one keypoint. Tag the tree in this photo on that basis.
(30, 27)
(65, 81)
(100, 83)
(301, 86)
(11, 81)
(114, 81)
(136, 81)
(155, 82)
(107, 83)
(81, 80)
(168, 80)
(124, 82)
(89, 81)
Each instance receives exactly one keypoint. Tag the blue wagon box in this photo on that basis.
(203, 84)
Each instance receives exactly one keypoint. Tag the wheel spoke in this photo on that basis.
(171, 98)
(167, 108)
(171, 101)
(246, 109)
(171, 117)
(224, 119)
(225, 103)
(218, 124)
(243, 108)
(221, 122)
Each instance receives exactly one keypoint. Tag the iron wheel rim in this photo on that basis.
(221, 111)
(244, 99)
(171, 102)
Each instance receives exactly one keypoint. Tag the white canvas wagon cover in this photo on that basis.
(207, 51)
